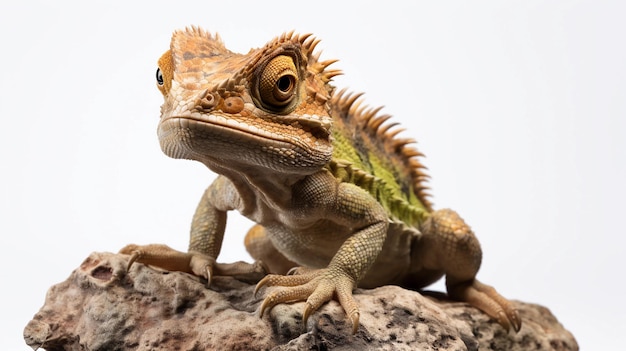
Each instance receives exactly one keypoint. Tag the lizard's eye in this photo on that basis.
(159, 76)
(277, 83)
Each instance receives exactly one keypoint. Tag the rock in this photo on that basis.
(102, 307)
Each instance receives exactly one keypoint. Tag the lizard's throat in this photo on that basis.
(188, 138)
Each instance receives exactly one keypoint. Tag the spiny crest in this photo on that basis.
(195, 32)
(256, 56)
(197, 40)
(316, 66)
(367, 126)
(307, 43)
(190, 49)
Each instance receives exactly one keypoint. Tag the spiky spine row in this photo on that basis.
(376, 126)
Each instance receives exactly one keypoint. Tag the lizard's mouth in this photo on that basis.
(300, 144)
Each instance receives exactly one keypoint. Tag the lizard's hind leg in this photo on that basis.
(450, 245)
(260, 247)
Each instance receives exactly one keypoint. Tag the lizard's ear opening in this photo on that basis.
(165, 73)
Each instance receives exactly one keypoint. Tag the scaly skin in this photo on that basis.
(338, 199)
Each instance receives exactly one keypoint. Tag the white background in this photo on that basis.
(518, 105)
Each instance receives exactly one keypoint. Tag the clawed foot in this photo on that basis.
(487, 299)
(195, 263)
(314, 286)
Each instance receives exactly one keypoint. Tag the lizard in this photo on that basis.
(340, 201)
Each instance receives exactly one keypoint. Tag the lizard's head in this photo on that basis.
(267, 108)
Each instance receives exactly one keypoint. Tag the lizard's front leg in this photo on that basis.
(347, 205)
(207, 232)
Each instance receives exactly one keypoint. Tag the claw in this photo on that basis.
(503, 320)
(267, 304)
(133, 257)
(354, 317)
(515, 321)
(208, 274)
(308, 309)
(134, 252)
(259, 285)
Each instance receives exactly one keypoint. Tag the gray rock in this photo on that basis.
(102, 307)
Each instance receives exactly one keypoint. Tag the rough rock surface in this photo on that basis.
(102, 307)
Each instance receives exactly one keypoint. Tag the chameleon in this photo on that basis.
(338, 198)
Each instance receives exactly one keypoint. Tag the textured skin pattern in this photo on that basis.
(338, 198)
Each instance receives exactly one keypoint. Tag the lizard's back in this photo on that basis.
(368, 153)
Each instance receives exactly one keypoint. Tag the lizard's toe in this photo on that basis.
(487, 299)
(158, 255)
(134, 252)
(283, 280)
(285, 294)
(344, 295)
(515, 319)
(323, 292)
